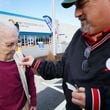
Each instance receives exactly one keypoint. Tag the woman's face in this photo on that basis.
(8, 45)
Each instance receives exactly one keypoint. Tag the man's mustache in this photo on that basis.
(82, 18)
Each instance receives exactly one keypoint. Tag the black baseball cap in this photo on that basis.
(68, 3)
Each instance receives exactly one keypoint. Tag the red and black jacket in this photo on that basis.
(96, 80)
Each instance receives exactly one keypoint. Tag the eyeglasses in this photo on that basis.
(85, 66)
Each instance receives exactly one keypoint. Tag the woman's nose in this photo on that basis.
(14, 47)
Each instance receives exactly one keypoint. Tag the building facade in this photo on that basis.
(32, 30)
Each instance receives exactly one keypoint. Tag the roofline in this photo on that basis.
(18, 15)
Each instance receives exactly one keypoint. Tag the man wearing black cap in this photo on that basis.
(85, 62)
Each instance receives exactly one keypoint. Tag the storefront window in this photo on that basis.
(28, 40)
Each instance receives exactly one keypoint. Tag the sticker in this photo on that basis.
(71, 87)
(108, 63)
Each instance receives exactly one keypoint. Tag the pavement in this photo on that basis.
(49, 94)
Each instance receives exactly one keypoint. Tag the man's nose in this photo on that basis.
(78, 12)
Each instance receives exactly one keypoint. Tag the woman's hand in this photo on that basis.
(32, 108)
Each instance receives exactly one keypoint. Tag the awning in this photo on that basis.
(35, 34)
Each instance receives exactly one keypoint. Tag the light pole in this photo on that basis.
(53, 29)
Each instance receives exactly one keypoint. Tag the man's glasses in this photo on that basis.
(85, 66)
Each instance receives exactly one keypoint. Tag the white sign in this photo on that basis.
(26, 23)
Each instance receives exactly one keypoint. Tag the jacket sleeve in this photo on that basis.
(97, 98)
(31, 86)
(49, 69)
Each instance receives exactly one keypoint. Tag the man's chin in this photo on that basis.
(87, 30)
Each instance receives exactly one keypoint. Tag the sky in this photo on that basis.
(39, 8)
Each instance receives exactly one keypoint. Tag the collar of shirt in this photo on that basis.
(95, 38)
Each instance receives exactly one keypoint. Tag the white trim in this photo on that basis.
(53, 87)
(99, 98)
(61, 106)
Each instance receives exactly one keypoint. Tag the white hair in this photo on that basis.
(7, 28)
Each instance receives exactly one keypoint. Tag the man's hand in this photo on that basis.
(78, 97)
(27, 61)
